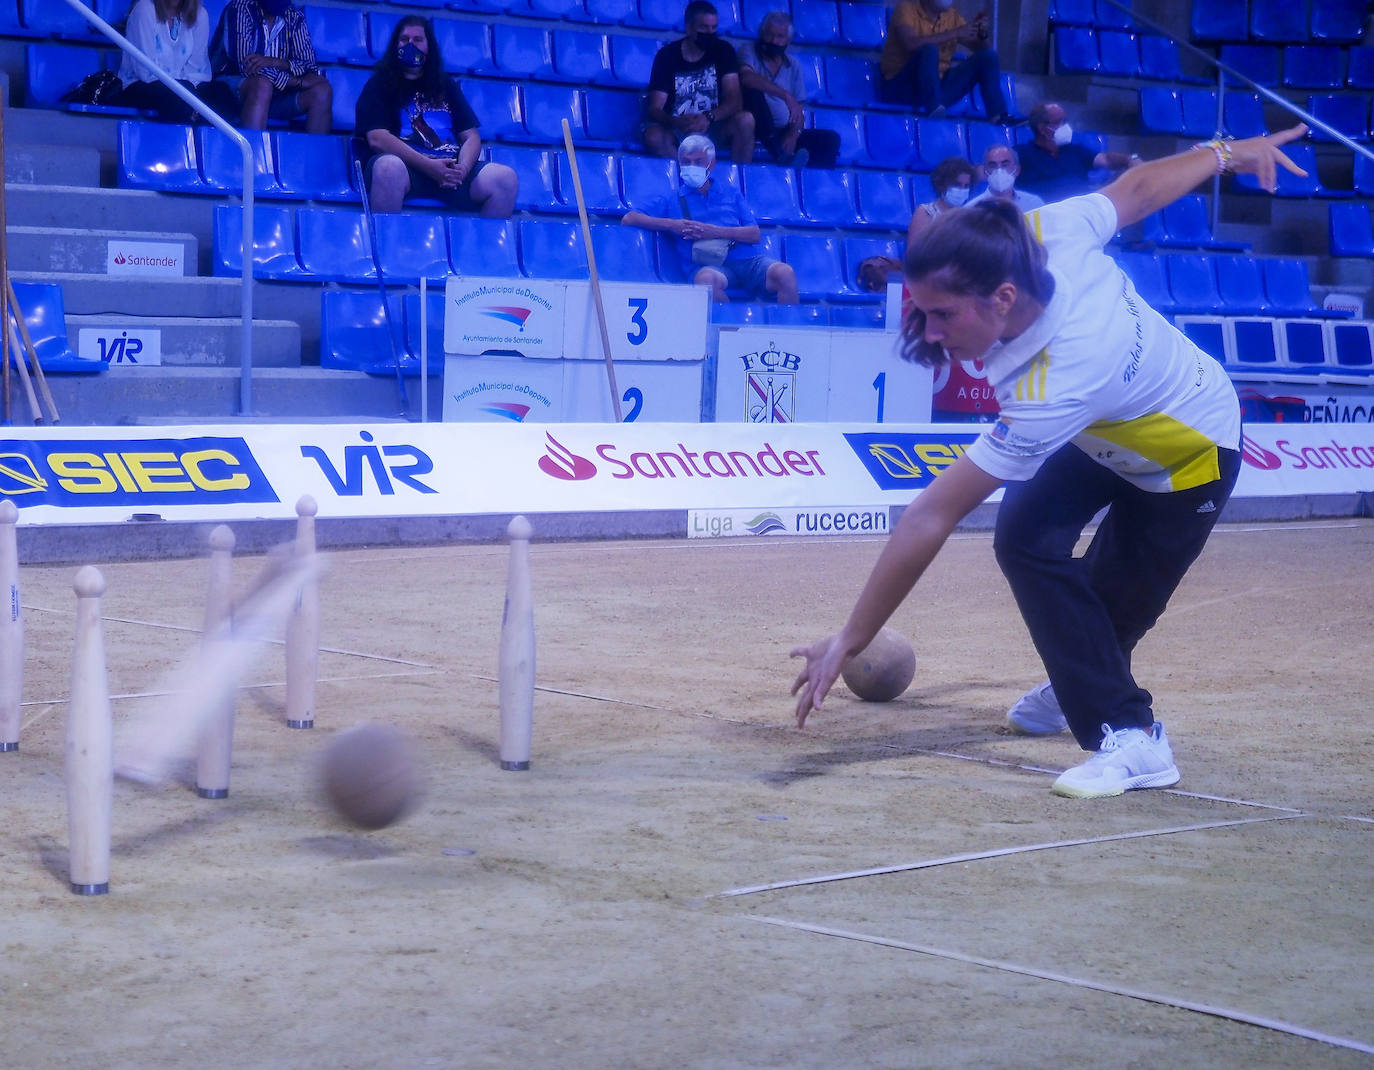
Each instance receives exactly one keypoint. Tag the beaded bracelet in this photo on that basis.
(1222, 147)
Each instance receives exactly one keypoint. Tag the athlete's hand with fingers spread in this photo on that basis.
(1262, 156)
(825, 659)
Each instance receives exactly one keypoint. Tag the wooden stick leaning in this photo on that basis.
(23, 367)
(591, 265)
(5, 274)
(32, 351)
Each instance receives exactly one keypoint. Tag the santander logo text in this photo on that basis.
(1331, 454)
(561, 463)
(680, 463)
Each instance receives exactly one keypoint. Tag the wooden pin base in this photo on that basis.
(515, 766)
(213, 793)
(91, 889)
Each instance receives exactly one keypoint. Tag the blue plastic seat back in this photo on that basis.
(862, 25)
(1259, 63)
(465, 46)
(1288, 184)
(1186, 221)
(1159, 58)
(1113, 18)
(480, 246)
(581, 57)
(1241, 285)
(497, 107)
(546, 106)
(1192, 283)
(552, 249)
(45, 318)
(54, 70)
(643, 179)
(737, 313)
(982, 136)
(434, 327)
(1200, 112)
(857, 316)
(1349, 230)
(1346, 112)
(10, 23)
(379, 27)
(535, 170)
(1075, 50)
(1353, 345)
(938, 139)
(314, 166)
(59, 20)
(848, 123)
(771, 192)
(1364, 176)
(813, 76)
(827, 197)
(669, 262)
(613, 117)
(1119, 52)
(857, 250)
(221, 162)
(158, 156)
(623, 254)
(1161, 110)
(355, 333)
(884, 198)
(333, 244)
(632, 59)
(1337, 21)
(890, 139)
(1287, 287)
(612, 12)
(1146, 272)
(795, 315)
(1359, 73)
(1256, 341)
(729, 18)
(1073, 12)
(346, 83)
(1219, 20)
(849, 80)
(338, 34)
(1244, 115)
(661, 14)
(522, 51)
(816, 22)
(1314, 67)
(600, 177)
(752, 12)
(818, 261)
(412, 245)
(274, 243)
(1279, 20)
(556, 9)
(1304, 342)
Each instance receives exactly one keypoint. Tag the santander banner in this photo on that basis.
(228, 472)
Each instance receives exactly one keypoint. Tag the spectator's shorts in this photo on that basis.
(421, 185)
(748, 273)
(285, 104)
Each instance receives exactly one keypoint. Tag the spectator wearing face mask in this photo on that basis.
(262, 50)
(714, 231)
(1001, 165)
(918, 62)
(694, 89)
(775, 94)
(1053, 166)
(951, 180)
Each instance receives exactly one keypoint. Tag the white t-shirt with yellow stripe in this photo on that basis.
(1103, 370)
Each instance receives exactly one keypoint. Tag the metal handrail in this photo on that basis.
(201, 109)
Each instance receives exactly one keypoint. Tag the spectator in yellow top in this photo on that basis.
(919, 66)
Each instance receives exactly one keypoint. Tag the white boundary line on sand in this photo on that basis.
(1077, 982)
(583, 694)
(1000, 852)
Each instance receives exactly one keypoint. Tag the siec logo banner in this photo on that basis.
(901, 461)
(148, 471)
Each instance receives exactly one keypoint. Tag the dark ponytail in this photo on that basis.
(972, 251)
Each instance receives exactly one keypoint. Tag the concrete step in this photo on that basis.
(128, 211)
(68, 165)
(198, 342)
(62, 249)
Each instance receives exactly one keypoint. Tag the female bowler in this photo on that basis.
(1104, 404)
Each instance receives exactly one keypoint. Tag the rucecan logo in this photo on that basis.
(1257, 456)
(561, 463)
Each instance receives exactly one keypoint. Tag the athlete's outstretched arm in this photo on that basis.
(919, 534)
(1152, 185)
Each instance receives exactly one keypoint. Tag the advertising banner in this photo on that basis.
(120, 347)
(148, 258)
(643, 322)
(503, 316)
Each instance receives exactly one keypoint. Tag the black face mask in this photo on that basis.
(771, 50)
(705, 39)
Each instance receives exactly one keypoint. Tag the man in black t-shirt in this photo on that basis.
(694, 89)
(421, 135)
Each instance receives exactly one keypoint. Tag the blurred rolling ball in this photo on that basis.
(882, 670)
(370, 776)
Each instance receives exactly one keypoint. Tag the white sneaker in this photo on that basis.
(1129, 758)
(1037, 713)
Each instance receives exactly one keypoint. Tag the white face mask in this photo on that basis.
(1063, 134)
(693, 176)
(955, 196)
(1000, 181)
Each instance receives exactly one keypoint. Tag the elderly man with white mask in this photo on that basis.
(1001, 165)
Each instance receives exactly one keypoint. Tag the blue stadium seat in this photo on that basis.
(1349, 230)
(1346, 112)
(1119, 54)
(11, 25)
(982, 136)
(661, 14)
(338, 34)
(346, 83)
(816, 22)
(669, 264)
(411, 245)
(818, 261)
(550, 249)
(555, 9)
(827, 196)
(59, 20)
(922, 192)
(890, 139)
(480, 246)
(812, 66)
(1161, 110)
(862, 25)
(857, 316)
(522, 51)
(581, 57)
(848, 123)
(1075, 50)
(1208, 333)
(1187, 223)
(612, 12)
(643, 179)
(1353, 348)
(752, 12)
(1240, 284)
(465, 46)
(158, 156)
(1146, 272)
(849, 80)
(1073, 12)
(354, 331)
(1359, 73)
(612, 119)
(737, 313)
(45, 318)
(600, 177)
(1199, 112)
(884, 199)
(1304, 344)
(1337, 21)
(632, 58)
(1278, 20)
(771, 192)
(497, 107)
(937, 139)
(857, 250)
(730, 21)
(1259, 63)
(546, 106)
(1291, 185)
(1257, 342)
(535, 169)
(274, 243)
(1192, 283)
(221, 162)
(1113, 18)
(1314, 67)
(314, 166)
(333, 245)
(1244, 115)
(1219, 20)
(54, 70)
(623, 254)
(795, 315)
(434, 327)
(379, 27)
(1287, 287)
(1364, 176)
(1159, 58)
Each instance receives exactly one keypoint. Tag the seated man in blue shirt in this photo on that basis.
(715, 233)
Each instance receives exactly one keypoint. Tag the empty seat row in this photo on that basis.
(1223, 284)
(1330, 351)
(332, 245)
(1303, 66)
(1350, 231)
(1193, 113)
(1277, 20)
(1098, 13)
(1185, 224)
(1117, 53)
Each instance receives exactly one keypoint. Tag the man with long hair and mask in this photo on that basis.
(420, 133)
(1104, 405)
